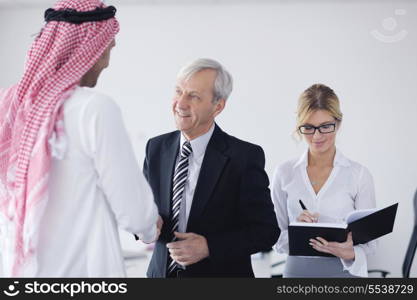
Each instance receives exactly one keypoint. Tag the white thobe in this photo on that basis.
(95, 188)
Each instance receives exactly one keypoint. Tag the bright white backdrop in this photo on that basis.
(365, 50)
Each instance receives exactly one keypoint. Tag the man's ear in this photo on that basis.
(219, 106)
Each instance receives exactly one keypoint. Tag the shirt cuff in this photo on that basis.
(282, 245)
(357, 266)
(149, 235)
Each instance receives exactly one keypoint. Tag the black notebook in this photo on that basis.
(366, 225)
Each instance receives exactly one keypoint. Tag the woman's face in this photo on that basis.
(320, 142)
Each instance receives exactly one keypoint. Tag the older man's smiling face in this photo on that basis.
(193, 106)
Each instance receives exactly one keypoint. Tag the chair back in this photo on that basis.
(411, 250)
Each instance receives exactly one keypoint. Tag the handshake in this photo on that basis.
(189, 248)
(159, 224)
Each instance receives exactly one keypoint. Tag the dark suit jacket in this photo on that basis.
(231, 207)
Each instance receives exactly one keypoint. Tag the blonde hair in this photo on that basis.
(318, 97)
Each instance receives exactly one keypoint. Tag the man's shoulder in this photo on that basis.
(241, 145)
(88, 97)
(159, 139)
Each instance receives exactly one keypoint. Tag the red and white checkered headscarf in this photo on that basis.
(30, 114)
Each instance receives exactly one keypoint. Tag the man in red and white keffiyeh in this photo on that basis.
(71, 51)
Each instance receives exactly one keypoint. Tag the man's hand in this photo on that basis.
(159, 225)
(343, 250)
(190, 249)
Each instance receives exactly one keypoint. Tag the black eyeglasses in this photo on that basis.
(310, 129)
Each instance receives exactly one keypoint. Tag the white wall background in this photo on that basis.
(274, 50)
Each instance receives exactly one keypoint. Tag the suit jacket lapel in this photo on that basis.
(211, 169)
(167, 170)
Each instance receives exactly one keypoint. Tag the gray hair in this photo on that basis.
(223, 84)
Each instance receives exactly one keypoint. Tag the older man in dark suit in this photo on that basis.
(211, 188)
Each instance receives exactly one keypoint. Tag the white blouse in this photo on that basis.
(349, 187)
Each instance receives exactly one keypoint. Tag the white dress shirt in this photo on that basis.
(199, 146)
(349, 187)
(95, 187)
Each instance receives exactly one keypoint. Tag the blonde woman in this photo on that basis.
(329, 184)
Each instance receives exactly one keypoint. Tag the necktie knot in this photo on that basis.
(186, 149)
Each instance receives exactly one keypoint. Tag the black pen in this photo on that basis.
(302, 205)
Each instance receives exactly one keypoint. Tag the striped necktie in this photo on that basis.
(178, 186)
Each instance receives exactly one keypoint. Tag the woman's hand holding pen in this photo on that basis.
(343, 250)
(307, 216)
